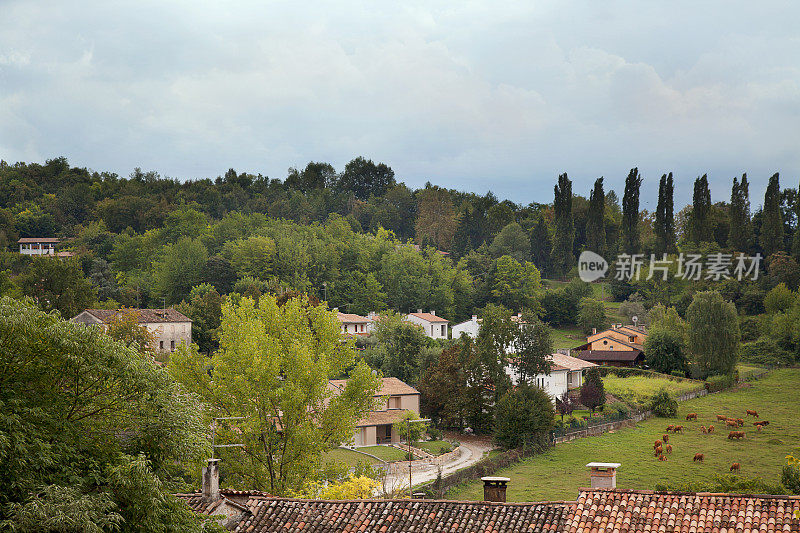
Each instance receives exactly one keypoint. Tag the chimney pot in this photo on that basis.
(474, 318)
(433, 312)
(603, 475)
(211, 481)
(419, 311)
(594, 331)
(494, 488)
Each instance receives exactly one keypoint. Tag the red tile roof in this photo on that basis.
(146, 316)
(349, 318)
(389, 387)
(394, 516)
(640, 510)
(569, 362)
(429, 317)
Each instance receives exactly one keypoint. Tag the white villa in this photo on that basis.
(566, 373)
(355, 324)
(434, 326)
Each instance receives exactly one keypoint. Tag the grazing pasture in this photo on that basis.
(637, 390)
(560, 472)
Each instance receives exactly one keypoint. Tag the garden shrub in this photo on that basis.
(720, 382)
(790, 478)
(765, 351)
(664, 405)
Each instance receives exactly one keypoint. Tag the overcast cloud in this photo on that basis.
(469, 95)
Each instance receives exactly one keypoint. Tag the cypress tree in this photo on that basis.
(699, 223)
(565, 228)
(771, 238)
(665, 218)
(630, 212)
(541, 246)
(739, 237)
(595, 222)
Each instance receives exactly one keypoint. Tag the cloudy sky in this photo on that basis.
(470, 95)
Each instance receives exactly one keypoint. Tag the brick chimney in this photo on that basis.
(603, 475)
(494, 488)
(211, 481)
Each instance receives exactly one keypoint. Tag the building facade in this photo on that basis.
(38, 245)
(169, 328)
(434, 326)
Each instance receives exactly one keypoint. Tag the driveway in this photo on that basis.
(473, 449)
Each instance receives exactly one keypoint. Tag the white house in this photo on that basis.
(169, 328)
(355, 324)
(566, 373)
(38, 245)
(470, 327)
(434, 326)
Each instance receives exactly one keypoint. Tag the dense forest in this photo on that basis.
(363, 241)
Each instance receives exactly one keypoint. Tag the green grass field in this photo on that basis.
(567, 337)
(637, 390)
(349, 457)
(560, 472)
(435, 447)
(387, 453)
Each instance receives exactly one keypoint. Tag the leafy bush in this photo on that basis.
(765, 351)
(664, 405)
(523, 418)
(435, 433)
(678, 374)
(790, 478)
(720, 382)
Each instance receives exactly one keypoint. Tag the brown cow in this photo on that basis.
(678, 429)
(735, 467)
(658, 451)
(736, 435)
(662, 457)
(698, 457)
(754, 413)
(703, 429)
(657, 443)
(760, 427)
(670, 427)
(691, 416)
(669, 448)
(722, 418)
(710, 429)
(732, 423)
(665, 437)
(740, 422)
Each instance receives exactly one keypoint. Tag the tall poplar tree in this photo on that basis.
(630, 212)
(595, 223)
(699, 223)
(739, 235)
(565, 228)
(665, 217)
(771, 238)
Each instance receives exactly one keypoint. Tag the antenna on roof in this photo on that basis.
(634, 319)
(214, 444)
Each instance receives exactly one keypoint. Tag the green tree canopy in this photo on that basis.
(512, 241)
(523, 418)
(713, 333)
(563, 257)
(92, 433)
(273, 368)
(57, 284)
(591, 315)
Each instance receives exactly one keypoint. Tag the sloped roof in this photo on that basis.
(642, 510)
(146, 316)
(389, 386)
(609, 355)
(429, 317)
(349, 318)
(394, 516)
(382, 418)
(26, 240)
(569, 362)
(633, 345)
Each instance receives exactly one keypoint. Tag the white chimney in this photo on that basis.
(211, 481)
(474, 318)
(594, 331)
(603, 475)
(433, 312)
(519, 315)
(419, 311)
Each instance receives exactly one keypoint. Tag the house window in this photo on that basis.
(172, 345)
(160, 345)
(444, 333)
(394, 402)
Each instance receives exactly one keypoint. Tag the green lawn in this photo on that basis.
(349, 457)
(435, 447)
(637, 390)
(387, 453)
(746, 370)
(567, 337)
(559, 473)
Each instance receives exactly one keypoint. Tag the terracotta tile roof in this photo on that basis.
(394, 516)
(569, 362)
(609, 355)
(26, 240)
(389, 387)
(629, 510)
(146, 316)
(429, 317)
(349, 318)
(381, 418)
(196, 503)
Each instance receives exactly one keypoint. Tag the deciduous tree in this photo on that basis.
(713, 333)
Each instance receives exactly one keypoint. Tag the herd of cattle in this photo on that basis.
(661, 447)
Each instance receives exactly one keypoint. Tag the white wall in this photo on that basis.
(554, 385)
(431, 329)
(471, 327)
